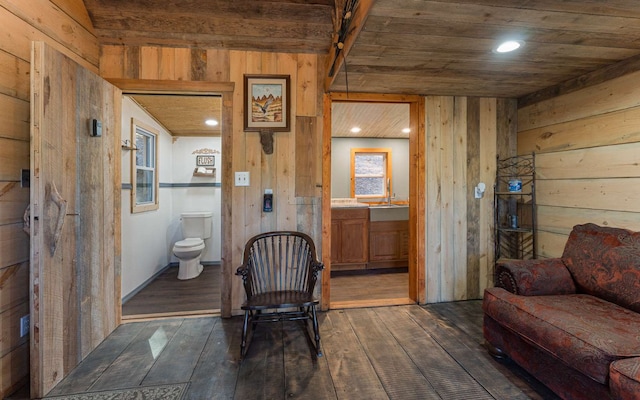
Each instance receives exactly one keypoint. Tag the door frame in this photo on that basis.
(417, 190)
(225, 90)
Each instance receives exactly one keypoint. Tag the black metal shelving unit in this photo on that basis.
(515, 210)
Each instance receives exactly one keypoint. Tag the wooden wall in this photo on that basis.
(587, 145)
(65, 25)
(464, 135)
(293, 171)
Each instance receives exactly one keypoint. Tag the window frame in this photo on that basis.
(152, 132)
(387, 172)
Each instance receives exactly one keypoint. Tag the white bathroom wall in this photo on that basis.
(193, 193)
(145, 235)
(341, 162)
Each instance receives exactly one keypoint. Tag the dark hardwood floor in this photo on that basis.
(402, 352)
(167, 295)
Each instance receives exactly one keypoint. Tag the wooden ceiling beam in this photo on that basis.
(337, 55)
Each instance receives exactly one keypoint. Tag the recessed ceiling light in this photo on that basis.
(211, 122)
(508, 46)
(406, 130)
(355, 129)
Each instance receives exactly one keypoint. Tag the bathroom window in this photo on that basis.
(370, 172)
(144, 167)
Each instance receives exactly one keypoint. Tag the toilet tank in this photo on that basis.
(196, 224)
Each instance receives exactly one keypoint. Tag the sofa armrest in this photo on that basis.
(534, 277)
(624, 378)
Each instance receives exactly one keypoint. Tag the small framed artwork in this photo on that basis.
(205, 161)
(266, 103)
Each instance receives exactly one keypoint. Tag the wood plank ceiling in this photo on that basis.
(184, 115)
(403, 46)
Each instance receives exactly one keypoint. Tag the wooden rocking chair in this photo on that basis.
(279, 271)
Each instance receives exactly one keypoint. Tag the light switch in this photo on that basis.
(242, 178)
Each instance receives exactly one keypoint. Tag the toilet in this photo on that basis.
(196, 227)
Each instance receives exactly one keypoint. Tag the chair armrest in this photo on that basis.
(534, 277)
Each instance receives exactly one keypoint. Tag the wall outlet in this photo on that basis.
(242, 178)
(24, 326)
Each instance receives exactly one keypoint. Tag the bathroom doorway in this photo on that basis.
(374, 253)
(189, 169)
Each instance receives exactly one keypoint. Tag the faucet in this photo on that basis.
(388, 191)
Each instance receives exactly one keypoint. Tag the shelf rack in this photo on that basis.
(515, 210)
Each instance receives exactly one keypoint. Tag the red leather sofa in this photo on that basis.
(573, 322)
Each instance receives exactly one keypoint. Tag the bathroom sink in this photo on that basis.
(386, 212)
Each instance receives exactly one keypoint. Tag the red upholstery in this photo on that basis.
(625, 379)
(573, 322)
(550, 322)
(605, 262)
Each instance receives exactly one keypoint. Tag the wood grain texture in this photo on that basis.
(78, 296)
(63, 25)
(305, 149)
(14, 245)
(13, 280)
(10, 328)
(562, 219)
(169, 295)
(461, 197)
(407, 352)
(551, 245)
(14, 199)
(15, 156)
(620, 126)
(617, 161)
(14, 369)
(14, 76)
(603, 194)
(488, 149)
(76, 10)
(417, 197)
(586, 158)
(473, 206)
(585, 103)
(14, 116)
(327, 249)
(46, 17)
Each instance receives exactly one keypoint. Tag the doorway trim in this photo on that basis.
(225, 90)
(417, 190)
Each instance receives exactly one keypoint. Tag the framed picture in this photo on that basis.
(266, 103)
(205, 161)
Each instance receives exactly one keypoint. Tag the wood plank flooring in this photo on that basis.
(168, 295)
(402, 352)
(369, 286)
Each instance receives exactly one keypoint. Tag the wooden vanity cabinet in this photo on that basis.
(349, 238)
(388, 244)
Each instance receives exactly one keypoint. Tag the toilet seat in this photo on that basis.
(190, 243)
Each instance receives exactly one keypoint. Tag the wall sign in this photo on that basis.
(205, 161)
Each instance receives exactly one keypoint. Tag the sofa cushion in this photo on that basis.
(625, 379)
(582, 331)
(605, 262)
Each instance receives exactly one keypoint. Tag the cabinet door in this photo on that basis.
(384, 246)
(355, 246)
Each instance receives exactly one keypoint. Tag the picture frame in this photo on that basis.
(205, 161)
(267, 103)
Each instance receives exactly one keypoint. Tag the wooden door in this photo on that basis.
(75, 215)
